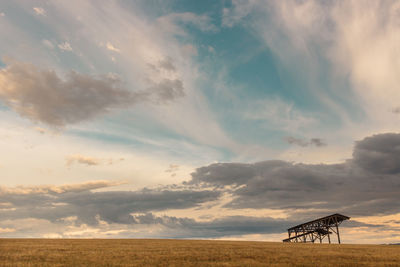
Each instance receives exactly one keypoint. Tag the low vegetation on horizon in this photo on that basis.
(153, 252)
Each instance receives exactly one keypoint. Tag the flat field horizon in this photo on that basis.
(175, 252)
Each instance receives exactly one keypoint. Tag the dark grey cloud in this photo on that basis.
(167, 64)
(110, 206)
(296, 141)
(167, 90)
(221, 174)
(379, 153)
(396, 110)
(368, 184)
(43, 96)
(227, 225)
(318, 142)
(129, 208)
(224, 226)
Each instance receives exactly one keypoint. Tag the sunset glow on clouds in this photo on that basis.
(199, 119)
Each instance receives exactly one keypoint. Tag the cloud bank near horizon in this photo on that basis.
(365, 185)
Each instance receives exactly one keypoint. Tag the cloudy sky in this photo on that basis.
(230, 119)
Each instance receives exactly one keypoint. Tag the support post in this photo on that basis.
(337, 231)
(329, 235)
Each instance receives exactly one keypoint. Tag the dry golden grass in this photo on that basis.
(144, 252)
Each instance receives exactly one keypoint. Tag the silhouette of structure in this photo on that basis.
(317, 229)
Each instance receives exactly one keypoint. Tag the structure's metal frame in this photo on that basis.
(317, 229)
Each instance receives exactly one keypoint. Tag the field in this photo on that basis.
(145, 252)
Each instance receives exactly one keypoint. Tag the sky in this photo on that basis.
(229, 119)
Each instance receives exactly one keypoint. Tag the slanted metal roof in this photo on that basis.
(331, 219)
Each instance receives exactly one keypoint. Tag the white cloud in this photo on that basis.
(48, 43)
(366, 48)
(359, 39)
(65, 46)
(241, 8)
(89, 161)
(40, 130)
(85, 160)
(112, 48)
(279, 114)
(6, 230)
(40, 11)
(45, 189)
(173, 22)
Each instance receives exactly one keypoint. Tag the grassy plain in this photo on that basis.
(152, 252)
